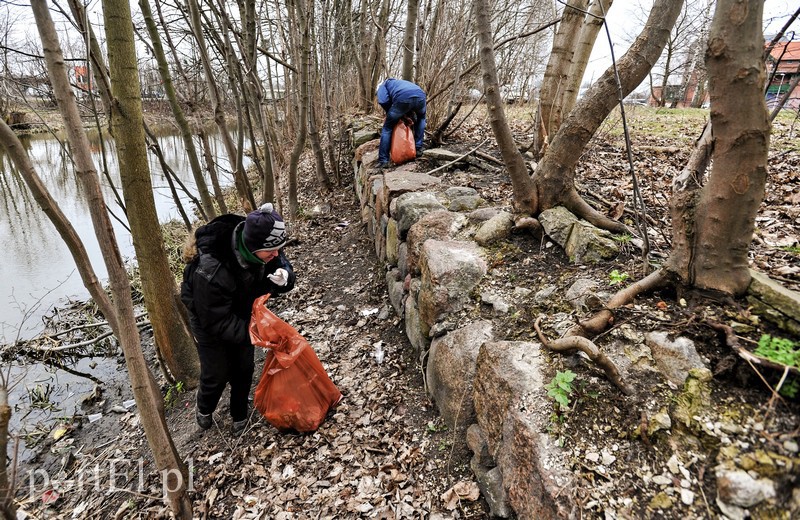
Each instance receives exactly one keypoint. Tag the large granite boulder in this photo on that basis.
(451, 365)
(582, 242)
(450, 270)
(439, 225)
(513, 411)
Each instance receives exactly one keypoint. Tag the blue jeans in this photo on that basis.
(415, 106)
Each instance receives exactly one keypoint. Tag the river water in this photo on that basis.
(37, 271)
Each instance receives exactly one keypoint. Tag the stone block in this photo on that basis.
(451, 366)
(411, 207)
(439, 225)
(392, 242)
(495, 229)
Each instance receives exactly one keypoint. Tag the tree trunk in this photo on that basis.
(728, 203)
(524, 192)
(146, 392)
(7, 509)
(177, 112)
(212, 171)
(302, 22)
(555, 174)
(549, 116)
(583, 50)
(408, 40)
(246, 198)
(172, 336)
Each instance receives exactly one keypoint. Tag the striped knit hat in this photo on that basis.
(264, 230)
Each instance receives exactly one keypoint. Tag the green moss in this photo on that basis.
(694, 398)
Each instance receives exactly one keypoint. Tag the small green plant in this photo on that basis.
(624, 238)
(616, 277)
(791, 388)
(779, 350)
(560, 388)
(172, 393)
(433, 427)
(792, 249)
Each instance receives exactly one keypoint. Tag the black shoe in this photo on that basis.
(239, 427)
(204, 421)
(383, 165)
(419, 154)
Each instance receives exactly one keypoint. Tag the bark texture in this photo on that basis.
(557, 72)
(555, 175)
(725, 216)
(525, 200)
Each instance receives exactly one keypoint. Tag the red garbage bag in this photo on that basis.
(295, 392)
(403, 147)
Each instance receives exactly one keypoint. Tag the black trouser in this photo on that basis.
(220, 365)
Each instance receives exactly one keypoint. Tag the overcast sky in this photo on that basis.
(622, 20)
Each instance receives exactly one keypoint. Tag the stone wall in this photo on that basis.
(431, 237)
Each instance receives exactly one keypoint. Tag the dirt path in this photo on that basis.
(383, 453)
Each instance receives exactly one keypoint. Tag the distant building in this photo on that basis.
(783, 67)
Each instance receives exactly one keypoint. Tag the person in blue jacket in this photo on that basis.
(399, 98)
(231, 261)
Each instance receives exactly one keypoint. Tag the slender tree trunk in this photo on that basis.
(302, 22)
(583, 50)
(212, 171)
(319, 157)
(524, 192)
(172, 336)
(7, 509)
(408, 40)
(555, 174)
(549, 116)
(177, 112)
(146, 392)
(246, 198)
(728, 203)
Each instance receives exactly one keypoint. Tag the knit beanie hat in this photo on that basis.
(264, 230)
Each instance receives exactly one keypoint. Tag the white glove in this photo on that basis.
(279, 277)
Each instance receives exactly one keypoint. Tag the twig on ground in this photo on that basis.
(446, 165)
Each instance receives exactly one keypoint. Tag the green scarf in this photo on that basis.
(246, 254)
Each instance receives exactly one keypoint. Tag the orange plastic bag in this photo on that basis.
(295, 392)
(403, 147)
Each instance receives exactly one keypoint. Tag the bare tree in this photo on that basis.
(177, 111)
(408, 40)
(554, 176)
(243, 190)
(556, 75)
(118, 312)
(7, 509)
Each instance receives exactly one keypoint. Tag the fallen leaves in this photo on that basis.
(461, 491)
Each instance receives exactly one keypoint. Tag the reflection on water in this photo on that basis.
(37, 270)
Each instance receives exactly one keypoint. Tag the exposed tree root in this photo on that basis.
(602, 319)
(530, 224)
(584, 210)
(570, 344)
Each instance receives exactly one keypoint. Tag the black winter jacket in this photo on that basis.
(219, 286)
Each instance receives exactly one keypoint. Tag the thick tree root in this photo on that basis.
(570, 344)
(602, 319)
(582, 209)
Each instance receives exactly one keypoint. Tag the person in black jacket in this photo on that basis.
(232, 260)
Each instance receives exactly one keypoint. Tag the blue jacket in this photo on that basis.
(397, 90)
